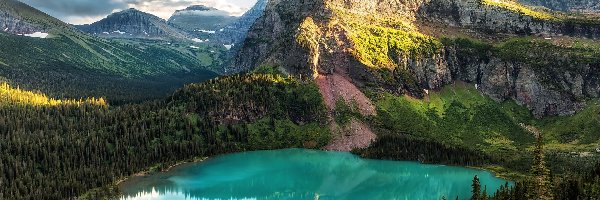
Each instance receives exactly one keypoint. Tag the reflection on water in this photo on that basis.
(306, 174)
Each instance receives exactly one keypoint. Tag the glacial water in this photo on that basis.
(307, 174)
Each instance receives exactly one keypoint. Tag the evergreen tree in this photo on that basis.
(541, 185)
(476, 189)
(484, 195)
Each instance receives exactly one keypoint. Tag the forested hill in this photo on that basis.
(62, 150)
(39, 52)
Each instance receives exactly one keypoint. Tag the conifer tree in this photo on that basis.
(476, 189)
(541, 186)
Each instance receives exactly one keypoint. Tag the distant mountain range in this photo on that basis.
(128, 56)
(236, 32)
(197, 22)
(201, 21)
(40, 52)
(132, 23)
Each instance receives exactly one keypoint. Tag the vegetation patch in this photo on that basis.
(459, 116)
(15, 96)
(517, 7)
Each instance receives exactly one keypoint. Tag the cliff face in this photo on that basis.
(19, 18)
(14, 25)
(376, 45)
(495, 19)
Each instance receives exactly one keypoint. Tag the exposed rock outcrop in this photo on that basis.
(283, 36)
(474, 15)
(14, 22)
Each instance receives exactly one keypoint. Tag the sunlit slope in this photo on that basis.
(10, 96)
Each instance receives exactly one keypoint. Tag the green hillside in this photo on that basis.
(69, 63)
(460, 116)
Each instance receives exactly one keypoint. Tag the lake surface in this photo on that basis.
(304, 174)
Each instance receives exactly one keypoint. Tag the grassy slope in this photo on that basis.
(458, 115)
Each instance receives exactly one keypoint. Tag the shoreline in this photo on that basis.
(154, 169)
(147, 172)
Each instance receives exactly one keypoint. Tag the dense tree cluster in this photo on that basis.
(62, 151)
(542, 186)
(394, 147)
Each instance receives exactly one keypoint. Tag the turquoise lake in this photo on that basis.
(307, 174)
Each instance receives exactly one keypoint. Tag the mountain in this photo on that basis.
(542, 59)
(586, 6)
(472, 83)
(39, 52)
(235, 33)
(132, 23)
(201, 21)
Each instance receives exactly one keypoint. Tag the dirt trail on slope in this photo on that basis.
(355, 134)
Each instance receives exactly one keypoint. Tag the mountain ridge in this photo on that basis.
(329, 34)
(201, 21)
(132, 23)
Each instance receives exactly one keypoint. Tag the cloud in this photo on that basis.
(88, 11)
(165, 8)
(81, 8)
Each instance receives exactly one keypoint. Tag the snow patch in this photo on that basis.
(228, 46)
(186, 69)
(37, 35)
(207, 31)
(119, 32)
(194, 47)
(6, 29)
(221, 30)
(197, 40)
(107, 33)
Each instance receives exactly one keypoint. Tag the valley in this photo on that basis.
(500, 85)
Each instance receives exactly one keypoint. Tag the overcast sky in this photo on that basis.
(88, 11)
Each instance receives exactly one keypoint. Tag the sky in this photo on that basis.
(88, 11)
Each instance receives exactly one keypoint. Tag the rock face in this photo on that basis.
(474, 15)
(132, 23)
(567, 5)
(201, 21)
(327, 47)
